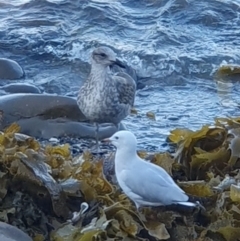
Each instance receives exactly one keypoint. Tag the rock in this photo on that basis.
(21, 88)
(10, 69)
(46, 116)
(11, 233)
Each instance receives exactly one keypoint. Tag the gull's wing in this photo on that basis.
(126, 88)
(150, 183)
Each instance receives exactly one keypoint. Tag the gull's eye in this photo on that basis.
(103, 55)
(116, 137)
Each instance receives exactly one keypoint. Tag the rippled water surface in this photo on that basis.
(175, 47)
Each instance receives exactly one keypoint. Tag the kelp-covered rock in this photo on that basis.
(29, 193)
(69, 198)
(211, 149)
(213, 154)
(52, 184)
(48, 116)
(10, 69)
(227, 70)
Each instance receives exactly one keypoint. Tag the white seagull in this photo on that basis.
(145, 183)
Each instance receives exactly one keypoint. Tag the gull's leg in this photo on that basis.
(117, 126)
(120, 126)
(139, 213)
(95, 149)
(96, 136)
(138, 207)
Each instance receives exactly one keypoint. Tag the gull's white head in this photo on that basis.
(105, 56)
(123, 140)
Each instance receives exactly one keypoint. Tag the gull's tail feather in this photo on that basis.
(188, 204)
(191, 204)
(203, 201)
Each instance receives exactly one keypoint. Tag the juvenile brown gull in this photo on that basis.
(106, 97)
(145, 183)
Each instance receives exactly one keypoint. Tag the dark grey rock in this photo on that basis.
(21, 88)
(11, 233)
(10, 69)
(46, 116)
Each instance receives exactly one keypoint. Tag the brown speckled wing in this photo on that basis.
(126, 88)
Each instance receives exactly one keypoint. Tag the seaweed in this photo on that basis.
(51, 195)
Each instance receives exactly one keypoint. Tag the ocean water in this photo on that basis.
(175, 46)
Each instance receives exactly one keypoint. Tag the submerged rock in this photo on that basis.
(47, 116)
(10, 69)
(11, 233)
(21, 88)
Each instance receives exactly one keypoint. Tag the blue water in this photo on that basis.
(175, 47)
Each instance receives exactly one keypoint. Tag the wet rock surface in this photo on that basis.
(10, 69)
(11, 233)
(20, 88)
(46, 116)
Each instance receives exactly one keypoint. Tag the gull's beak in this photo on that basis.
(107, 140)
(119, 63)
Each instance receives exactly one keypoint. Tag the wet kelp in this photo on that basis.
(227, 70)
(212, 154)
(53, 196)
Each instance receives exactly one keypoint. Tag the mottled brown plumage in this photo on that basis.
(106, 97)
